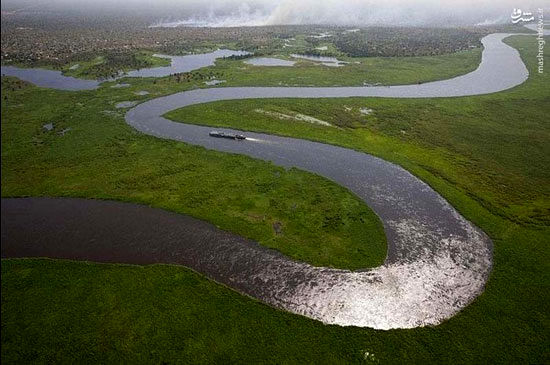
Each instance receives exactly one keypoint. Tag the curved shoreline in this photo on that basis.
(437, 261)
(56, 80)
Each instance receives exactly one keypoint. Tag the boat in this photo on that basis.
(217, 134)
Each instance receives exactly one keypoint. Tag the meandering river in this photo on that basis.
(437, 263)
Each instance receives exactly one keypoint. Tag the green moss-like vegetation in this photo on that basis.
(486, 155)
(100, 156)
(493, 148)
(359, 71)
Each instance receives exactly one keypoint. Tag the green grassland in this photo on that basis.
(487, 155)
(368, 70)
(301, 44)
(359, 71)
(493, 148)
(102, 157)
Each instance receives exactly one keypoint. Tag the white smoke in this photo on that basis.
(356, 12)
(228, 13)
(244, 16)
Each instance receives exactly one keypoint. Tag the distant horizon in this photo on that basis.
(233, 13)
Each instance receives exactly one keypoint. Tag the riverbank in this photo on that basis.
(162, 303)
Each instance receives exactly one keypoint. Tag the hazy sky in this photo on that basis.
(339, 12)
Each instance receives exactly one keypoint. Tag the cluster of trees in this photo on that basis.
(240, 57)
(392, 42)
(116, 60)
(49, 38)
(12, 84)
(194, 76)
(352, 44)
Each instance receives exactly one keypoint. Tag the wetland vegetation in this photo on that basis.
(487, 155)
